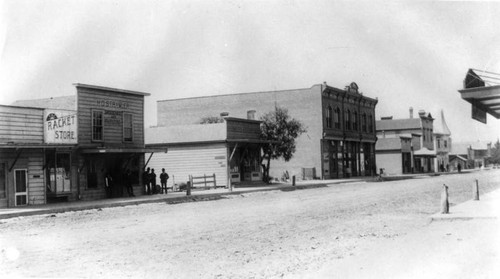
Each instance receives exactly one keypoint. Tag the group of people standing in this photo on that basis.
(149, 181)
(109, 182)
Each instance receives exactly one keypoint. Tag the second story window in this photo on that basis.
(336, 118)
(445, 144)
(364, 122)
(97, 125)
(439, 143)
(329, 113)
(127, 127)
(370, 123)
(355, 121)
(347, 116)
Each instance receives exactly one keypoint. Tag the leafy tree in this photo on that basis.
(495, 154)
(282, 130)
(211, 120)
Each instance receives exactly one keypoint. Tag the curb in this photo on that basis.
(169, 200)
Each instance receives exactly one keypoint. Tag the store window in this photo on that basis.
(336, 118)
(58, 172)
(91, 174)
(97, 125)
(127, 127)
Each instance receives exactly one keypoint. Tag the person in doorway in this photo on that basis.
(459, 167)
(145, 181)
(152, 180)
(108, 184)
(128, 183)
(163, 180)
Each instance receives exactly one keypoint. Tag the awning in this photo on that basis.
(482, 90)
(122, 150)
(424, 152)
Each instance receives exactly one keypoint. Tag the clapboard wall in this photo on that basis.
(114, 104)
(195, 160)
(21, 125)
(30, 160)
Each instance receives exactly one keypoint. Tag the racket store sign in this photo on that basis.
(60, 126)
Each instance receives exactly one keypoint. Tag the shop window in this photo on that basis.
(97, 125)
(127, 127)
(58, 172)
(91, 174)
(3, 182)
(336, 118)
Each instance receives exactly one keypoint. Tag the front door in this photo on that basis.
(21, 186)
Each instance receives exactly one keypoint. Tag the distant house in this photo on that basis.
(475, 153)
(417, 132)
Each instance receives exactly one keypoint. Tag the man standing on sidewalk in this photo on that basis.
(145, 181)
(163, 179)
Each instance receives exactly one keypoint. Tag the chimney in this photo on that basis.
(251, 114)
(421, 113)
(411, 112)
(224, 114)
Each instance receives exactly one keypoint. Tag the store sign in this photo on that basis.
(60, 126)
(112, 104)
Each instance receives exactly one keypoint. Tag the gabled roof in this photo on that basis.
(398, 124)
(64, 102)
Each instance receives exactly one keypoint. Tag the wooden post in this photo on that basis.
(475, 191)
(293, 180)
(188, 186)
(445, 206)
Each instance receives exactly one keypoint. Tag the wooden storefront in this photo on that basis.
(51, 154)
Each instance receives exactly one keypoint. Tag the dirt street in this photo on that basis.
(257, 235)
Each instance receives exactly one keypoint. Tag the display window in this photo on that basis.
(58, 172)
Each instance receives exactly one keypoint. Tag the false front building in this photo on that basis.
(340, 138)
(406, 145)
(61, 148)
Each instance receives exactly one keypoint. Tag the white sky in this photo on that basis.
(404, 53)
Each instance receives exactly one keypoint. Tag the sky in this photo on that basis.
(406, 54)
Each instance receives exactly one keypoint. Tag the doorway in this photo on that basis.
(21, 186)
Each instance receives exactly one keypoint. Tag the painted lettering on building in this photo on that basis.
(112, 104)
(60, 126)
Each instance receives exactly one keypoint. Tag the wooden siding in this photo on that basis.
(88, 100)
(32, 160)
(180, 162)
(21, 125)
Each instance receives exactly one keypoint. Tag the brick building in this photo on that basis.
(340, 138)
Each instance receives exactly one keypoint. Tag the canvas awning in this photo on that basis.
(424, 152)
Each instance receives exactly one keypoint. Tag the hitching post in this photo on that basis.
(188, 188)
(475, 191)
(445, 206)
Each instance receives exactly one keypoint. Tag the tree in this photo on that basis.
(281, 130)
(495, 154)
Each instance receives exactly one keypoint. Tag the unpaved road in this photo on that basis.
(259, 235)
